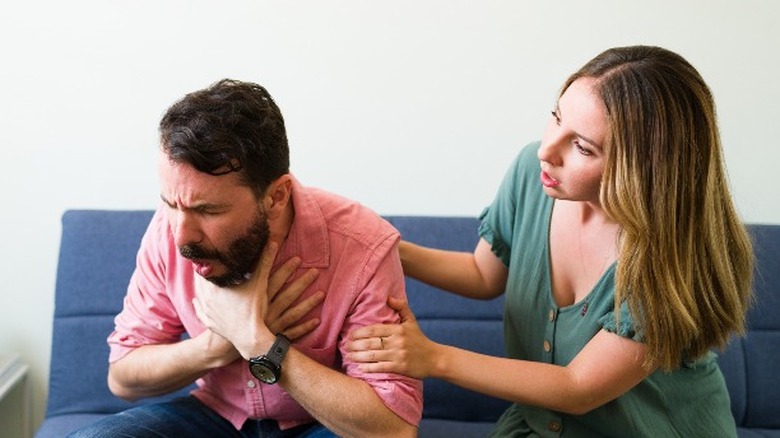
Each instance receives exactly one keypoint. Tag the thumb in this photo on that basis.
(267, 257)
(402, 307)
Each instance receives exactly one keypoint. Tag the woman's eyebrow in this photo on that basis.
(587, 139)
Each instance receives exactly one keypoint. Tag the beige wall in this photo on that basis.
(411, 107)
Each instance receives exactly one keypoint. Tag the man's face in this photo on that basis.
(239, 257)
(216, 221)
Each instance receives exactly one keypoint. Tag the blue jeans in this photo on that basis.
(188, 417)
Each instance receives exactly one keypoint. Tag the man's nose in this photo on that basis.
(185, 229)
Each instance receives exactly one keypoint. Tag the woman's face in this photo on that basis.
(572, 154)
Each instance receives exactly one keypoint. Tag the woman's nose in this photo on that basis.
(550, 152)
(550, 149)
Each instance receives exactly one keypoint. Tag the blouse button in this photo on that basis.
(547, 346)
(554, 426)
(251, 383)
(551, 315)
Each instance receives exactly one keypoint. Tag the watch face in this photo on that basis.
(264, 372)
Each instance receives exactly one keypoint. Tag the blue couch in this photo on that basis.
(97, 256)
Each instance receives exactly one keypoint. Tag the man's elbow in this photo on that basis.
(404, 430)
(120, 390)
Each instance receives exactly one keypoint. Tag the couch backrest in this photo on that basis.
(750, 363)
(97, 257)
(453, 320)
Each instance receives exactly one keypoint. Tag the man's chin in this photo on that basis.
(227, 280)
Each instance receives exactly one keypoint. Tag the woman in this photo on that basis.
(622, 258)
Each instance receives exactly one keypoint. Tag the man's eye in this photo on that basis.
(206, 211)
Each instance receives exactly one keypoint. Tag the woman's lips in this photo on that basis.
(548, 181)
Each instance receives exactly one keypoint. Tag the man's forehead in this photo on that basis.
(180, 182)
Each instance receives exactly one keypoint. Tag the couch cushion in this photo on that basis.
(436, 428)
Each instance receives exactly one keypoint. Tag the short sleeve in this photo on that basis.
(623, 326)
(148, 316)
(498, 246)
(498, 221)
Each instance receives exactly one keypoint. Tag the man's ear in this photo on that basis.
(277, 196)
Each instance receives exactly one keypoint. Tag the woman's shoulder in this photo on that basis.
(524, 169)
(527, 157)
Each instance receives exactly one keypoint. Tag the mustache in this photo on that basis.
(194, 251)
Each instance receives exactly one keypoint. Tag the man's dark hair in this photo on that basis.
(231, 126)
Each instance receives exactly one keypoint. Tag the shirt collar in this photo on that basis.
(308, 236)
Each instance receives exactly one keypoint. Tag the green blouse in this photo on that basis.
(689, 402)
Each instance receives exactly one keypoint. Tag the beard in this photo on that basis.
(241, 256)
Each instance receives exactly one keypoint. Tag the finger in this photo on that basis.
(373, 343)
(294, 314)
(363, 332)
(291, 293)
(379, 367)
(371, 356)
(356, 345)
(299, 330)
(396, 303)
(403, 309)
(281, 275)
(374, 331)
(263, 269)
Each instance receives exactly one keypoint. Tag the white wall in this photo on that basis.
(409, 106)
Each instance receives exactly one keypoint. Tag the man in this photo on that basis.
(229, 205)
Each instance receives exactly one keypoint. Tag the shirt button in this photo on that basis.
(551, 315)
(547, 346)
(554, 426)
(251, 383)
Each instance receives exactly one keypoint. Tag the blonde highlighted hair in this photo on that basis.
(685, 260)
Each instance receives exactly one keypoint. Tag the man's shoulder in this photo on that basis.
(350, 217)
(157, 242)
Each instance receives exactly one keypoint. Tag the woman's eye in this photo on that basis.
(555, 116)
(583, 150)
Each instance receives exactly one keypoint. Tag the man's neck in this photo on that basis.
(280, 227)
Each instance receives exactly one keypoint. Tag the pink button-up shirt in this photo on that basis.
(357, 256)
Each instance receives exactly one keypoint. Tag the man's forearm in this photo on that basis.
(345, 405)
(153, 370)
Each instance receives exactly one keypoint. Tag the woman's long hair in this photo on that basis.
(685, 261)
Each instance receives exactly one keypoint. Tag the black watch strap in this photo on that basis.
(278, 349)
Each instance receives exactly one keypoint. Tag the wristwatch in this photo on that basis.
(268, 367)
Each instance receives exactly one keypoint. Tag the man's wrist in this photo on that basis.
(260, 343)
(268, 367)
